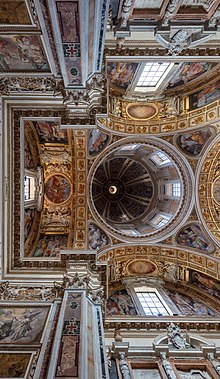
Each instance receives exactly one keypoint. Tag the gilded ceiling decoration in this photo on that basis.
(75, 120)
(208, 189)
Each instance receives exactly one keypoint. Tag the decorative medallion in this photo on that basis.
(216, 190)
(141, 267)
(141, 111)
(57, 189)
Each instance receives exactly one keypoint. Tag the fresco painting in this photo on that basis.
(189, 306)
(49, 131)
(28, 221)
(97, 141)
(28, 158)
(13, 365)
(22, 53)
(96, 237)
(206, 96)
(205, 283)
(57, 189)
(120, 303)
(193, 237)
(50, 245)
(14, 12)
(189, 71)
(121, 74)
(22, 324)
(192, 143)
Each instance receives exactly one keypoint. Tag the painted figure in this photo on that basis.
(192, 143)
(21, 325)
(97, 141)
(120, 303)
(190, 306)
(205, 283)
(97, 238)
(189, 71)
(49, 131)
(120, 74)
(206, 96)
(193, 237)
(50, 245)
(22, 52)
(57, 189)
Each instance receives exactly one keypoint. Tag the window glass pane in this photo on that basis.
(151, 303)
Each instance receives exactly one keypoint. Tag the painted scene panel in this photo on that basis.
(189, 306)
(206, 96)
(120, 303)
(50, 245)
(28, 221)
(205, 283)
(14, 12)
(28, 157)
(97, 141)
(192, 143)
(57, 189)
(96, 237)
(193, 237)
(49, 131)
(22, 53)
(13, 365)
(121, 74)
(189, 71)
(22, 324)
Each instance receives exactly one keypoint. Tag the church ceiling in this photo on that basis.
(67, 111)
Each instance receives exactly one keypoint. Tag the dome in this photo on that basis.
(122, 189)
(137, 189)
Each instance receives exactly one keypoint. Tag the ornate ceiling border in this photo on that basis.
(155, 253)
(168, 124)
(208, 171)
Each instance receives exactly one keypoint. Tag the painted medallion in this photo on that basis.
(57, 189)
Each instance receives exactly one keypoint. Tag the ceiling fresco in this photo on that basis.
(109, 187)
(14, 12)
(70, 116)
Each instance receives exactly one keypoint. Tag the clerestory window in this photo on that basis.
(152, 302)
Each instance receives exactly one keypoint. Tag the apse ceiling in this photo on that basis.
(111, 132)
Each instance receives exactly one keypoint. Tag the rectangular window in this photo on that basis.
(26, 188)
(160, 220)
(29, 188)
(152, 75)
(152, 303)
(160, 158)
(176, 189)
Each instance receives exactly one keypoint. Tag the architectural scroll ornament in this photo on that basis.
(80, 282)
(19, 292)
(214, 362)
(125, 13)
(23, 84)
(175, 337)
(168, 368)
(216, 15)
(124, 367)
(170, 11)
(179, 41)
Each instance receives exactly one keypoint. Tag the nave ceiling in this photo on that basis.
(73, 103)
